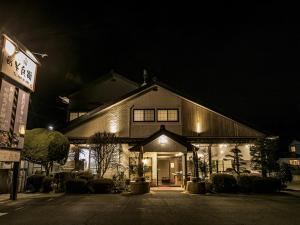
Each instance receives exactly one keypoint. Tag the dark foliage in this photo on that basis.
(266, 185)
(60, 179)
(100, 186)
(264, 155)
(286, 173)
(47, 184)
(76, 186)
(34, 182)
(224, 183)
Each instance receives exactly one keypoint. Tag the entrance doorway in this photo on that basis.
(169, 170)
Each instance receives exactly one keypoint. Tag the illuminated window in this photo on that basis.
(81, 114)
(162, 115)
(167, 115)
(172, 115)
(143, 115)
(293, 148)
(73, 116)
(295, 162)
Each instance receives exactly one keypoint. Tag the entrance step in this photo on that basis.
(167, 188)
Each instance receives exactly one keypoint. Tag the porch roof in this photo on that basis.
(163, 131)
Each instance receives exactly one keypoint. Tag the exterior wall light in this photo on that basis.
(162, 140)
(144, 161)
(22, 129)
(9, 47)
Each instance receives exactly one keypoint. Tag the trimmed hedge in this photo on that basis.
(46, 185)
(224, 183)
(100, 186)
(76, 186)
(86, 175)
(34, 182)
(61, 178)
(266, 185)
(257, 184)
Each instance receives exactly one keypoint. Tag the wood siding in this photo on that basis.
(194, 120)
(200, 121)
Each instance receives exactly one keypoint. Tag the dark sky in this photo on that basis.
(241, 58)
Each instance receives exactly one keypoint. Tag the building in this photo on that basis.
(168, 126)
(292, 158)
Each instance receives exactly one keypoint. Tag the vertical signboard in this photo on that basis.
(7, 93)
(21, 117)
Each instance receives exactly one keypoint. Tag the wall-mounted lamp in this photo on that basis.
(22, 129)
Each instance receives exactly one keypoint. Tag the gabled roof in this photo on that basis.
(110, 75)
(162, 131)
(140, 91)
(102, 90)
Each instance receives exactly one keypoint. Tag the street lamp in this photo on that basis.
(50, 127)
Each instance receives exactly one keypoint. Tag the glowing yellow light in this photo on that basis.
(223, 145)
(9, 48)
(221, 151)
(22, 129)
(162, 140)
(198, 127)
(200, 155)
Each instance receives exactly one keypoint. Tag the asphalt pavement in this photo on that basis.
(161, 207)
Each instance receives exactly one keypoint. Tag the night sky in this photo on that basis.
(243, 59)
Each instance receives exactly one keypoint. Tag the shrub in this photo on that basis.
(85, 175)
(224, 183)
(100, 186)
(245, 183)
(76, 186)
(46, 185)
(208, 186)
(266, 185)
(34, 182)
(61, 178)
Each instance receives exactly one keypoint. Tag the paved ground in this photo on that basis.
(155, 208)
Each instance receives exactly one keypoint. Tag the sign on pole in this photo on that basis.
(18, 64)
(9, 155)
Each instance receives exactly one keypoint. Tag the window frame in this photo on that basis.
(169, 121)
(144, 121)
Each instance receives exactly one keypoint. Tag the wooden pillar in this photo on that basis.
(196, 163)
(209, 160)
(185, 169)
(140, 163)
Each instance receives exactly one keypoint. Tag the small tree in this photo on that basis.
(264, 155)
(286, 173)
(45, 147)
(105, 150)
(237, 160)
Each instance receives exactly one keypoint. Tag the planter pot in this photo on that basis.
(196, 187)
(140, 187)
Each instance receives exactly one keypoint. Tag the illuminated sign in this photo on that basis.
(18, 65)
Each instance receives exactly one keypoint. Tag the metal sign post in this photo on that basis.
(18, 69)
